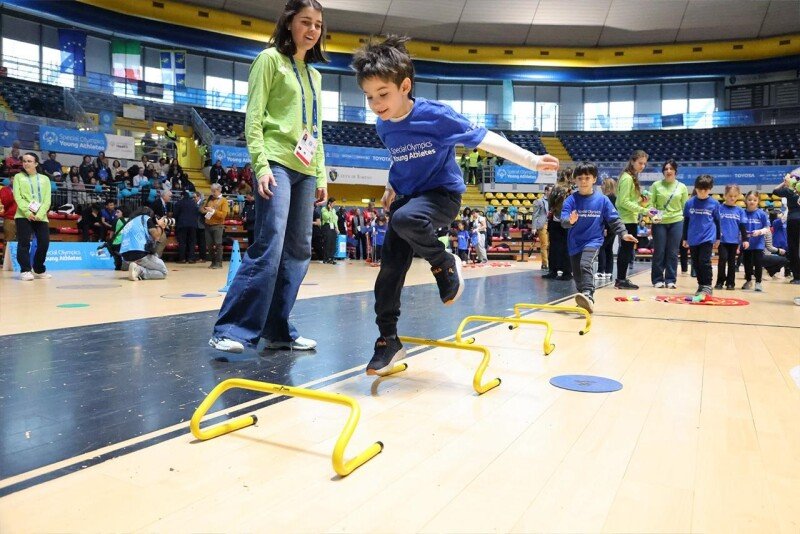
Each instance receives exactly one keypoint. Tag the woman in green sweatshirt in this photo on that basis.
(629, 198)
(32, 195)
(667, 196)
(283, 127)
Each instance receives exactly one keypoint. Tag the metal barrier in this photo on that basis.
(557, 308)
(515, 322)
(341, 466)
(477, 380)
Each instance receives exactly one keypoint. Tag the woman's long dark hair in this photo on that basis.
(282, 35)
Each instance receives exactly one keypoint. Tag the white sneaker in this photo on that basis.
(599, 276)
(226, 345)
(134, 272)
(300, 343)
(27, 276)
(797, 301)
(42, 276)
(659, 285)
(672, 285)
(609, 276)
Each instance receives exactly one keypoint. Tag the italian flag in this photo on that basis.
(126, 59)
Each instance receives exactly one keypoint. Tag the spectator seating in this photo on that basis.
(223, 123)
(31, 98)
(718, 144)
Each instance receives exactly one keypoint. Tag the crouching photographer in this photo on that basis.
(140, 237)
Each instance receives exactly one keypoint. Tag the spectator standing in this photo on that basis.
(8, 209)
(215, 210)
(32, 196)
(186, 213)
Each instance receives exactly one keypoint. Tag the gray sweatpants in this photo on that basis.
(583, 270)
(153, 267)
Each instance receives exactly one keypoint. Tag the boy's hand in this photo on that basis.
(573, 217)
(745, 245)
(629, 238)
(547, 163)
(781, 252)
(388, 198)
(685, 244)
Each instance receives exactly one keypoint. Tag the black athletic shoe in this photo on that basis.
(550, 276)
(625, 284)
(388, 350)
(564, 277)
(585, 301)
(718, 285)
(449, 279)
(730, 287)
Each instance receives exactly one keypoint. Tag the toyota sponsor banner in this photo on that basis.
(357, 157)
(64, 255)
(85, 142)
(763, 175)
(350, 175)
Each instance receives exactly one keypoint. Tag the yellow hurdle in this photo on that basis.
(341, 466)
(557, 308)
(477, 379)
(515, 322)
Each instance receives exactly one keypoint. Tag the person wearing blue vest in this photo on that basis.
(701, 231)
(425, 183)
(32, 195)
(140, 237)
(587, 213)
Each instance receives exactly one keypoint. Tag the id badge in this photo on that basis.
(34, 206)
(306, 147)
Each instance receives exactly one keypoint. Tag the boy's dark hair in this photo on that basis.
(282, 35)
(704, 182)
(388, 60)
(585, 167)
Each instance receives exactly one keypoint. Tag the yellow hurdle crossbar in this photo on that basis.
(515, 322)
(341, 466)
(477, 379)
(556, 308)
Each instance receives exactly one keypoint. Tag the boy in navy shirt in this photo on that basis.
(378, 236)
(586, 213)
(425, 182)
(701, 231)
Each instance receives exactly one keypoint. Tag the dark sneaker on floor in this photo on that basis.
(718, 285)
(730, 287)
(388, 350)
(796, 281)
(449, 279)
(550, 276)
(748, 285)
(564, 277)
(585, 301)
(625, 284)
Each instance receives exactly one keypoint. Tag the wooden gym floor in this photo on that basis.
(94, 404)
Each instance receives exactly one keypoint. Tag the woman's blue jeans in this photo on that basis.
(264, 290)
(666, 242)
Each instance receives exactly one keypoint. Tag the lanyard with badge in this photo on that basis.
(307, 145)
(34, 206)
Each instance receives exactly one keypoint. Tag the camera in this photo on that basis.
(169, 221)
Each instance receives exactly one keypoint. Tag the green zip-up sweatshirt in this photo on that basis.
(628, 205)
(28, 188)
(661, 192)
(274, 124)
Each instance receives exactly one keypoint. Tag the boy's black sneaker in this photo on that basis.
(388, 350)
(550, 276)
(585, 301)
(625, 284)
(718, 285)
(730, 287)
(449, 279)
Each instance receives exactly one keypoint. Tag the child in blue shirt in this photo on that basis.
(586, 213)
(378, 236)
(425, 182)
(732, 233)
(757, 224)
(701, 231)
(463, 242)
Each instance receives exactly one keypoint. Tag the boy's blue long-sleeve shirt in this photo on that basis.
(731, 224)
(422, 147)
(701, 222)
(594, 212)
(756, 220)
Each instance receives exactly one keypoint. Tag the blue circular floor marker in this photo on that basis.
(586, 383)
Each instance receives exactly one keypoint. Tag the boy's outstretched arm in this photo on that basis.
(499, 146)
(618, 228)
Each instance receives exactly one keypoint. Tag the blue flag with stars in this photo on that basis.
(72, 44)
